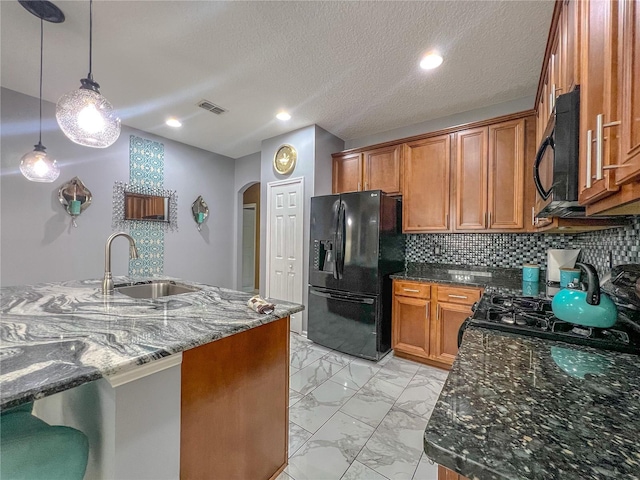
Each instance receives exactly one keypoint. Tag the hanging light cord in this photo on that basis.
(41, 48)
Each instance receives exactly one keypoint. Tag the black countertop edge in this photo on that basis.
(506, 281)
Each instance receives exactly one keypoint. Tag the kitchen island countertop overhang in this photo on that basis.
(57, 336)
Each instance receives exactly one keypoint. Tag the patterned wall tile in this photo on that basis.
(146, 169)
(512, 250)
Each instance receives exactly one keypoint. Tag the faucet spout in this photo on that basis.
(107, 281)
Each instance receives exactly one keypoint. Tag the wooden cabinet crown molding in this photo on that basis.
(438, 133)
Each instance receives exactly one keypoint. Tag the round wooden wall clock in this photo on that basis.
(285, 158)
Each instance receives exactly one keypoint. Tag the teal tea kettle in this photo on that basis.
(589, 308)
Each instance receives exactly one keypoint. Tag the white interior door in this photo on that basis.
(285, 280)
(249, 247)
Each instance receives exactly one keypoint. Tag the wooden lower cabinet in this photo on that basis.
(426, 319)
(411, 326)
(446, 474)
(235, 398)
(447, 322)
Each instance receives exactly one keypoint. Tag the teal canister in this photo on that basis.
(569, 276)
(589, 308)
(530, 272)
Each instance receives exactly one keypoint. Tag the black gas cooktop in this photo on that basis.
(533, 317)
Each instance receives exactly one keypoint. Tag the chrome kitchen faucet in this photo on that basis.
(107, 281)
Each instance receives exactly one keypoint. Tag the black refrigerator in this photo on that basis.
(356, 243)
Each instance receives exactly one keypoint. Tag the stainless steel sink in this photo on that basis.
(156, 289)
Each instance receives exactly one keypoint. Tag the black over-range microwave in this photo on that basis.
(556, 169)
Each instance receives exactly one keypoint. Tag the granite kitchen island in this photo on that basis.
(184, 360)
(516, 407)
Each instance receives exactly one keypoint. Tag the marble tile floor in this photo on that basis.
(353, 419)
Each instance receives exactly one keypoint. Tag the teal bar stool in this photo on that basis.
(31, 449)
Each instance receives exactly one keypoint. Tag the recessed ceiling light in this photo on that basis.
(284, 116)
(430, 61)
(174, 122)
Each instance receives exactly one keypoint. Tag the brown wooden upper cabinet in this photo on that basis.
(377, 169)
(489, 180)
(630, 93)
(471, 179)
(569, 42)
(599, 116)
(610, 107)
(506, 175)
(347, 172)
(426, 178)
(382, 169)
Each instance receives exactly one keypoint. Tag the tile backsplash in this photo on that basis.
(512, 250)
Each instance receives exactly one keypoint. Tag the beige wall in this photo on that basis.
(252, 195)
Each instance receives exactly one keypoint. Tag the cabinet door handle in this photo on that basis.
(427, 311)
(489, 224)
(600, 126)
(463, 297)
(366, 185)
(534, 220)
(359, 189)
(446, 220)
(413, 290)
(589, 147)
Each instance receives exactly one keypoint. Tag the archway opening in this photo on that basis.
(249, 277)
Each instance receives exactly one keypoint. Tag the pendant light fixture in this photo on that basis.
(38, 166)
(84, 115)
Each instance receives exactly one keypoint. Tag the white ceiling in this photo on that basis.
(350, 67)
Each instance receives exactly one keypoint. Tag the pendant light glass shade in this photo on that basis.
(87, 118)
(37, 166)
(84, 115)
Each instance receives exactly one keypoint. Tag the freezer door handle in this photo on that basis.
(340, 242)
(367, 301)
(336, 254)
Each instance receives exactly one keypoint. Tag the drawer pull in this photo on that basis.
(414, 290)
(463, 297)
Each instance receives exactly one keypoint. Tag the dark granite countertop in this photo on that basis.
(55, 336)
(516, 407)
(505, 281)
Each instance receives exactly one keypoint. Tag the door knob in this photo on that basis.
(290, 267)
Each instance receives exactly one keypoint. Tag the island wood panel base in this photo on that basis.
(235, 398)
(446, 474)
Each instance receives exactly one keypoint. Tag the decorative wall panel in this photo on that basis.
(146, 171)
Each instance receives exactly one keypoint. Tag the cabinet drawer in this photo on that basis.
(465, 296)
(412, 289)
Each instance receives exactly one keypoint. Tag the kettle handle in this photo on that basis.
(593, 283)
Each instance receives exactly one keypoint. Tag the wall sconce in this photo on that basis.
(75, 197)
(200, 211)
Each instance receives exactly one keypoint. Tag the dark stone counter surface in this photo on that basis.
(505, 281)
(55, 336)
(516, 407)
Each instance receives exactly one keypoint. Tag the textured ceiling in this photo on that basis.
(350, 67)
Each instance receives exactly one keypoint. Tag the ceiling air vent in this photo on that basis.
(211, 107)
